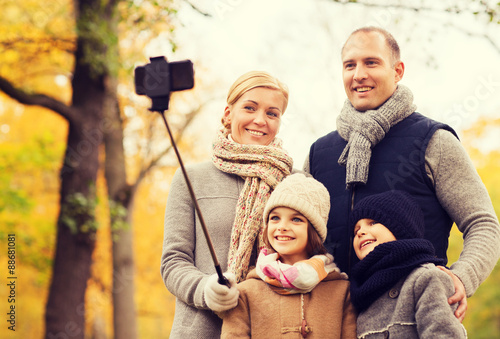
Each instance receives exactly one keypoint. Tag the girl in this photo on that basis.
(295, 290)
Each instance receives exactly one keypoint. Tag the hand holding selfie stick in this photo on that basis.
(157, 80)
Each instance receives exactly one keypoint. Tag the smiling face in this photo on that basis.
(255, 118)
(368, 234)
(369, 71)
(287, 234)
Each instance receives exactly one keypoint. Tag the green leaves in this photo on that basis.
(80, 210)
(118, 215)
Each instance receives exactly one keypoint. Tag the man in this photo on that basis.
(382, 144)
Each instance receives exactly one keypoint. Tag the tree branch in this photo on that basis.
(369, 4)
(488, 38)
(154, 162)
(42, 45)
(449, 9)
(197, 9)
(491, 12)
(36, 99)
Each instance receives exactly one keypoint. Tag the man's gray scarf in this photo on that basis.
(363, 130)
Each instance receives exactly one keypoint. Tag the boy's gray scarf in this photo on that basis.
(363, 130)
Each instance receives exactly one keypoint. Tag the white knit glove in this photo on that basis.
(220, 297)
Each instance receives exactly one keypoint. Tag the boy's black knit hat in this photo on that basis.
(396, 210)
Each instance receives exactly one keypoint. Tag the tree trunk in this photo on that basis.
(124, 311)
(65, 309)
(119, 192)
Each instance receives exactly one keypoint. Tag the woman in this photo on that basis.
(232, 190)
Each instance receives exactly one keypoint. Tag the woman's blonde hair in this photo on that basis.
(254, 79)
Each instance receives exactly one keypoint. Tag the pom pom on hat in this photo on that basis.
(396, 210)
(304, 194)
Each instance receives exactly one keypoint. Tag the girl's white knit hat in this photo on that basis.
(304, 194)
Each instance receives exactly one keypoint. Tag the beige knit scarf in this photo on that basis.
(363, 130)
(262, 167)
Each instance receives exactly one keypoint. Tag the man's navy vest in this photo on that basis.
(397, 163)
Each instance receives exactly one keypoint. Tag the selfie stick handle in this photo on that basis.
(222, 279)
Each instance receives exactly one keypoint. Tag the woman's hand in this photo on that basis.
(219, 297)
(459, 297)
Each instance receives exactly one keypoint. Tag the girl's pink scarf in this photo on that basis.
(300, 277)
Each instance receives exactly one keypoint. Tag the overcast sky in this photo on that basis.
(454, 76)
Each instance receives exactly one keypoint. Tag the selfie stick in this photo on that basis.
(222, 279)
(156, 80)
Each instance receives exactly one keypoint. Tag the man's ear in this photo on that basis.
(400, 71)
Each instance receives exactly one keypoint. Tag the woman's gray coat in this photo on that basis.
(186, 262)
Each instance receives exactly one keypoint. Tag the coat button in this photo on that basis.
(393, 293)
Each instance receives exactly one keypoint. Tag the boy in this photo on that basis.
(396, 287)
